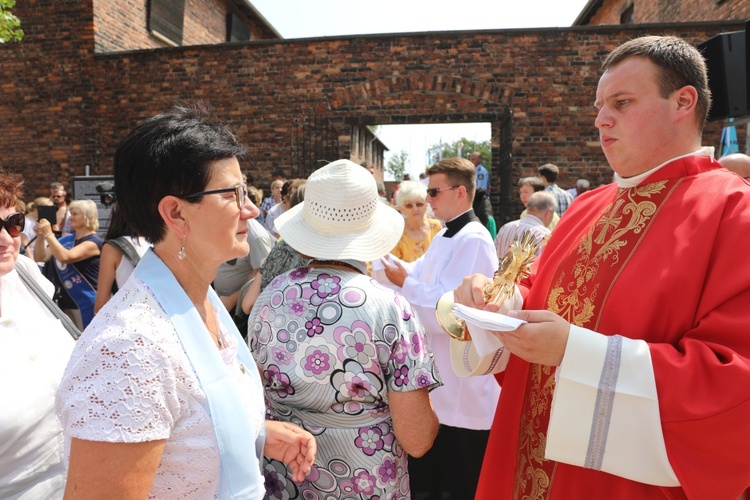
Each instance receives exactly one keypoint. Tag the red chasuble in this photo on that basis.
(667, 262)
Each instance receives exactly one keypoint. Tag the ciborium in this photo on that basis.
(513, 267)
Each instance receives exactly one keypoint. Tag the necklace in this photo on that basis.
(213, 333)
(333, 263)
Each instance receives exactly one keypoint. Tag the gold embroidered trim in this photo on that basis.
(627, 215)
(575, 297)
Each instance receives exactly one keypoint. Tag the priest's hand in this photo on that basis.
(542, 340)
(471, 293)
(292, 445)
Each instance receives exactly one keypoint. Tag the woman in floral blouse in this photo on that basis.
(341, 355)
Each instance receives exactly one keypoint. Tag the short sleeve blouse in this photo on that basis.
(129, 381)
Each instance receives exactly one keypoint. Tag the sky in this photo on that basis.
(316, 18)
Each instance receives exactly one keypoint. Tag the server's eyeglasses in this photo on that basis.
(240, 192)
(14, 223)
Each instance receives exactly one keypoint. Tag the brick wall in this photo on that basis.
(67, 107)
(662, 11)
(121, 25)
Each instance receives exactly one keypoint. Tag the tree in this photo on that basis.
(10, 25)
(397, 164)
(446, 150)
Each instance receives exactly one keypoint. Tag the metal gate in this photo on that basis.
(314, 143)
(502, 170)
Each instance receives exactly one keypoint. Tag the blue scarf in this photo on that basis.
(78, 288)
(240, 466)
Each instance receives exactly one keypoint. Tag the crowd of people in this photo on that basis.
(288, 347)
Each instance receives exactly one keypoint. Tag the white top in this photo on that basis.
(125, 268)
(271, 217)
(131, 360)
(28, 230)
(34, 348)
(514, 229)
(467, 403)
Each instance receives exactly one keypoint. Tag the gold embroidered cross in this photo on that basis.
(611, 220)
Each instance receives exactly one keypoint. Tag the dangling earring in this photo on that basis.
(181, 253)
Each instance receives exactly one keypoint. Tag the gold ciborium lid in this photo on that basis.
(453, 326)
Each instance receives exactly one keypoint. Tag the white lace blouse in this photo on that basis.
(130, 381)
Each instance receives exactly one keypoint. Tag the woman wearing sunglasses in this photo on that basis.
(161, 387)
(418, 228)
(34, 348)
(76, 260)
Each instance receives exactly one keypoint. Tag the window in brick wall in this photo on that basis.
(627, 16)
(237, 31)
(165, 20)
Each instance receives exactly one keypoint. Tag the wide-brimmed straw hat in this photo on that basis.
(341, 217)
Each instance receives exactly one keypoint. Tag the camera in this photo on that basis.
(106, 192)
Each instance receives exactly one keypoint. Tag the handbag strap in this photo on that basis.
(34, 287)
(126, 248)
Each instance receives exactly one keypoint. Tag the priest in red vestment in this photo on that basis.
(631, 379)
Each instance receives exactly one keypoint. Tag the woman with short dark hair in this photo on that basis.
(161, 387)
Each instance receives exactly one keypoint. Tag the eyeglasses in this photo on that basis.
(409, 206)
(433, 192)
(240, 191)
(14, 223)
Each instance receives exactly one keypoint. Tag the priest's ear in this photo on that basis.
(685, 102)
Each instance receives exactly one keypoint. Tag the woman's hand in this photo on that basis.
(292, 445)
(43, 229)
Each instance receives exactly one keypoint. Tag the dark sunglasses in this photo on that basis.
(433, 192)
(14, 223)
(240, 192)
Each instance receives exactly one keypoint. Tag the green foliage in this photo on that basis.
(397, 165)
(10, 25)
(450, 150)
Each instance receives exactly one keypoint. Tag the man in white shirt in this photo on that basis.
(465, 407)
(539, 212)
(232, 276)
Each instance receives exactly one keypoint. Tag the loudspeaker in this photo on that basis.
(726, 55)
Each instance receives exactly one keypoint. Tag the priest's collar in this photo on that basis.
(630, 182)
(455, 225)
